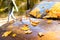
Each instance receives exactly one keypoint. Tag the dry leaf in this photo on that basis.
(34, 23)
(58, 14)
(34, 13)
(40, 34)
(28, 32)
(25, 27)
(14, 35)
(49, 21)
(6, 33)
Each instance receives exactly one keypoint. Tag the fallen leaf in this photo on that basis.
(49, 21)
(40, 34)
(34, 23)
(14, 35)
(6, 33)
(25, 28)
(28, 32)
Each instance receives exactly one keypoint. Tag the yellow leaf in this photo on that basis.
(34, 23)
(54, 11)
(25, 27)
(58, 14)
(40, 34)
(49, 21)
(38, 15)
(34, 12)
(6, 33)
(28, 32)
(14, 35)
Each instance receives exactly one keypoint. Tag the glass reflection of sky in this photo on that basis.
(44, 6)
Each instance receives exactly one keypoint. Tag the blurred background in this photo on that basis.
(23, 5)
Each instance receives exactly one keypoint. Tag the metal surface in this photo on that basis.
(51, 31)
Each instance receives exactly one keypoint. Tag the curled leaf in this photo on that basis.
(34, 23)
(25, 28)
(40, 34)
(28, 32)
